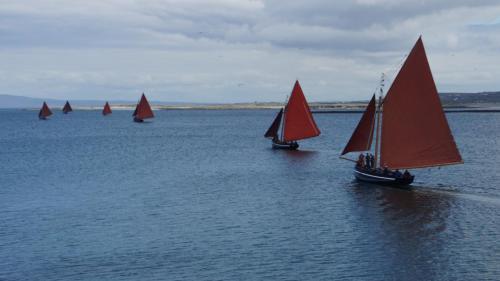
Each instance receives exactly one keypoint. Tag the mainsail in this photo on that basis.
(107, 109)
(67, 108)
(415, 132)
(272, 132)
(298, 121)
(361, 139)
(44, 111)
(143, 110)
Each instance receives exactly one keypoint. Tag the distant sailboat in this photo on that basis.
(411, 130)
(142, 110)
(298, 122)
(44, 112)
(106, 110)
(67, 108)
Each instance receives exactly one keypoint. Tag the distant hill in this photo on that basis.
(470, 99)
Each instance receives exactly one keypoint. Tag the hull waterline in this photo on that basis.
(287, 146)
(365, 176)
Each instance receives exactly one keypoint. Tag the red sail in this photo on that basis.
(107, 109)
(272, 132)
(361, 139)
(67, 108)
(299, 122)
(44, 111)
(143, 110)
(415, 132)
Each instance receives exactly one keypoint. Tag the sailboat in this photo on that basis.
(296, 122)
(409, 124)
(106, 110)
(142, 110)
(44, 112)
(67, 108)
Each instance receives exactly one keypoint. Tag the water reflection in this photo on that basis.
(409, 226)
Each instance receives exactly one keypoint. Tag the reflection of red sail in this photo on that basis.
(107, 109)
(272, 132)
(415, 132)
(361, 139)
(67, 108)
(298, 122)
(44, 111)
(143, 110)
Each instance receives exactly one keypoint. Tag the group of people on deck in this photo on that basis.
(367, 162)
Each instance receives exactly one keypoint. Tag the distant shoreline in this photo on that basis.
(319, 108)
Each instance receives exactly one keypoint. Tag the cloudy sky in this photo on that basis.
(240, 50)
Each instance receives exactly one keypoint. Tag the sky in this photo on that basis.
(240, 50)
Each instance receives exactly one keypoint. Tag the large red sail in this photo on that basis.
(67, 108)
(107, 109)
(272, 132)
(143, 110)
(299, 122)
(361, 139)
(44, 111)
(415, 132)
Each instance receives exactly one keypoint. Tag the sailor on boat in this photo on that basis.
(409, 125)
(298, 122)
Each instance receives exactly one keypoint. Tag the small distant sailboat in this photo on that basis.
(409, 124)
(142, 110)
(106, 110)
(298, 122)
(44, 112)
(67, 108)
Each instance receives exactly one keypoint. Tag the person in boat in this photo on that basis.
(397, 173)
(385, 171)
(372, 160)
(368, 161)
(361, 161)
(406, 174)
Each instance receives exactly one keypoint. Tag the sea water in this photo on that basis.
(200, 195)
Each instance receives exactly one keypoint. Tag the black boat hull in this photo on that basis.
(287, 146)
(365, 176)
(138, 120)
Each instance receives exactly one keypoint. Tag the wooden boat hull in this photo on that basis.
(382, 179)
(288, 146)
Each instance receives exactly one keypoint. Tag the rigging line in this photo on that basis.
(390, 72)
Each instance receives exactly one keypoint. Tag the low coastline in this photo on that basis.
(319, 107)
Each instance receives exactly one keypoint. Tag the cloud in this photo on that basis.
(239, 50)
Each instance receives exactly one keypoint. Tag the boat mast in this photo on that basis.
(378, 113)
(283, 119)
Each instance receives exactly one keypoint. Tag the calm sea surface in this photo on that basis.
(200, 195)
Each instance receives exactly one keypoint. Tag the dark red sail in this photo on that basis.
(44, 111)
(143, 110)
(361, 139)
(272, 132)
(298, 122)
(106, 110)
(67, 108)
(415, 132)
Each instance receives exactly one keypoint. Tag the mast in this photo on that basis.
(283, 119)
(378, 113)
